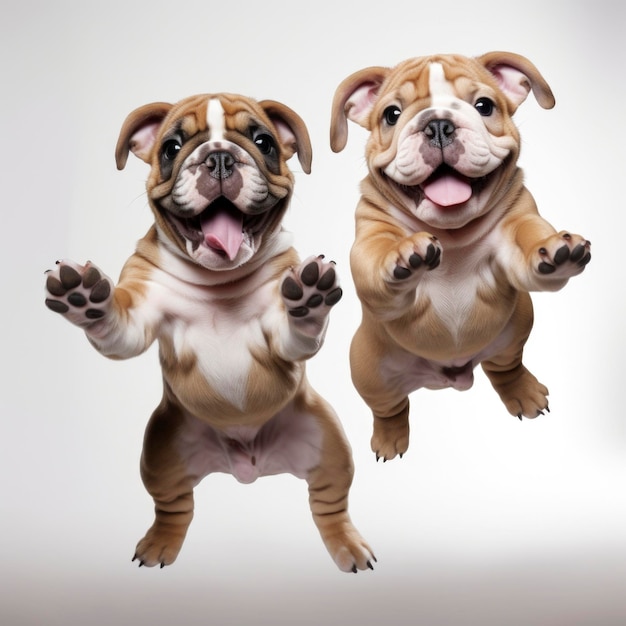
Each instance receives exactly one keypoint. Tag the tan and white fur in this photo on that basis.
(449, 242)
(236, 314)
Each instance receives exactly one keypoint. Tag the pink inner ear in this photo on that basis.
(286, 136)
(360, 103)
(141, 142)
(514, 84)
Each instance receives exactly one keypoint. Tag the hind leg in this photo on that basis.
(519, 390)
(329, 484)
(168, 480)
(386, 396)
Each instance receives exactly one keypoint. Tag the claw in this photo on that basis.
(354, 570)
(369, 564)
(519, 416)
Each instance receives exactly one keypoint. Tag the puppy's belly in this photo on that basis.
(407, 372)
(289, 442)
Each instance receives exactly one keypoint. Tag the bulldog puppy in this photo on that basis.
(218, 284)
(449, 242)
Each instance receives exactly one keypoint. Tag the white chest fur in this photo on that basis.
(452, 288)
(219, 330)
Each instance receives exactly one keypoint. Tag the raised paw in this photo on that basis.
(562, 255)
(311, 289)
(416, 254)
(82, 294)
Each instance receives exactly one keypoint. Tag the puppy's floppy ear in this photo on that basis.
(292, 132)
(354, 99)
(516, 76)
(139, 132)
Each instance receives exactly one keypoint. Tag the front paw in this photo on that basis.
(311, 289)
(82, 294)
(562, 255)
(414, 255)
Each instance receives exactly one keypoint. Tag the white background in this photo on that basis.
(486, 520)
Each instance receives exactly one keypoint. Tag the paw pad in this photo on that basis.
(313, 286)
(564, 254)
(71, 292)
(429, 261)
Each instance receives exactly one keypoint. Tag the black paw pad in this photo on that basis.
(546, 268)
(300, 311)
(291, 290)
(310, 274)
(562, 255)
(333, 297)
(55, 286)
(77, 299)
(433, 256)
(101, 291)
(56, 306)
(401, 272)
(315, 300)
(70, 278)
(327, 280)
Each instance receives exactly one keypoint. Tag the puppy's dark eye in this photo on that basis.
(170, 149)
(391, 114)
(265, 143)
(485, 106)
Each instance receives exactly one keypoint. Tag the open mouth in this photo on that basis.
(446, 187)
(222, 227)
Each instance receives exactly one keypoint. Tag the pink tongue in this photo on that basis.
(223, 231)
(448, 191)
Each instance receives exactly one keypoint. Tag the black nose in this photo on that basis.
(220, 164)
(440, 133)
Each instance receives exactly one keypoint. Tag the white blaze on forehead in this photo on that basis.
(441, 89)
(215, 118)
